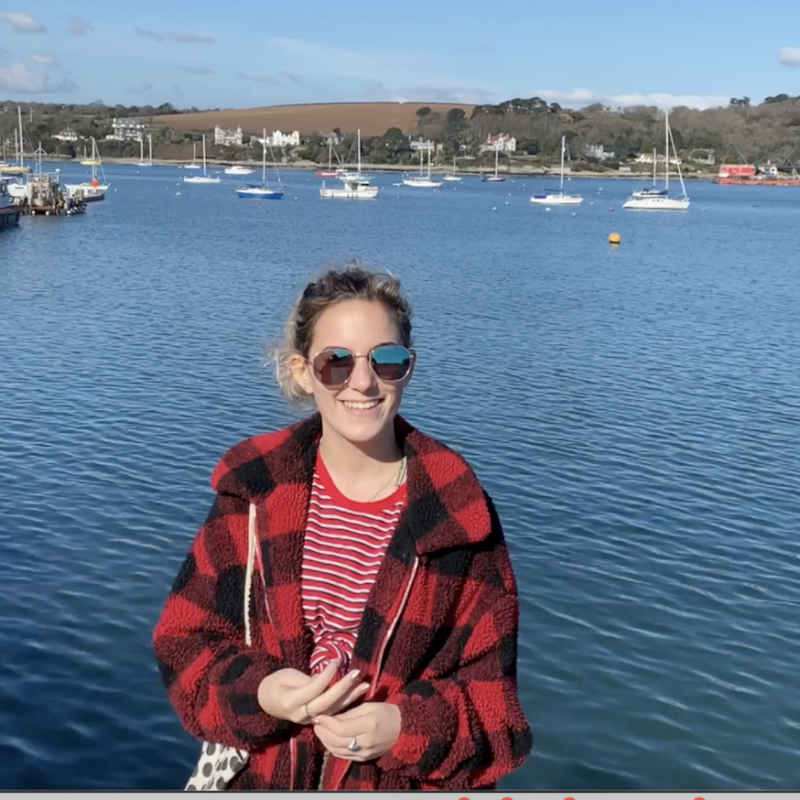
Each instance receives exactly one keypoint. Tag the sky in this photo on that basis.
(239, 55)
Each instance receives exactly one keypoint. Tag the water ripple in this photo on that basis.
(634, 413)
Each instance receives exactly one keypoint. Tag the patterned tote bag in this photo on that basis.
(218, 765)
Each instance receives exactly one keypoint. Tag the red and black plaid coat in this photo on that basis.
(438, 636)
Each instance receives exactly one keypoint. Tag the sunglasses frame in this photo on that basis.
(368, 356)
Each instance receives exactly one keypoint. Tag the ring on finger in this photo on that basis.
(354, 746)
(308, 711)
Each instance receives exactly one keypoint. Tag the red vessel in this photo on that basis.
(747, 175)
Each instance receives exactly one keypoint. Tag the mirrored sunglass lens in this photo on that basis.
(333, 367)
(391, 362)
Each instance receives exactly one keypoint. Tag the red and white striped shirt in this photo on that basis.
(344, 548)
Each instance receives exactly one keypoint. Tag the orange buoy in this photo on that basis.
(95, 182)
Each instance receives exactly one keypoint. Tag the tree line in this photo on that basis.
(741, 132)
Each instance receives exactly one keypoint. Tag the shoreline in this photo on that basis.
(517, 171)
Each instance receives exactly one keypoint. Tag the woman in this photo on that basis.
(347, 616)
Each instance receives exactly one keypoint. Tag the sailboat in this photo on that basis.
(149, 162)
(559, 199)
(19, 188)
(93, 161)
(423, 181)
(652, 191)
(204, 178)
(262, 192)
(356, 186)
(496, 178)
(194, 164)
(453, 176)
(91, 190)
(19, 168)
(639, 201)
(331, 171)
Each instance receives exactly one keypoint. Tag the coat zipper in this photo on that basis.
(382, 651)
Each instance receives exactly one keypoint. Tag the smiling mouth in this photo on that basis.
(363, 405)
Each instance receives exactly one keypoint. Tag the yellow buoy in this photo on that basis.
(614, 238)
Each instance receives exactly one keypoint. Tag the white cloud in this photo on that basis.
(173, 36)
(142, 88)
(19, 78)
(188, 38)
(579, 98)
(422, 75)
(388, 81)
(789, 56)
(267, 79)
(431, 93)
(22, 22)
(197, 70)
(44, 60)
(146, 33)
(79, 27)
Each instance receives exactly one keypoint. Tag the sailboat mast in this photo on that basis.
(21, 146)
(150, 148)
(264, 157)
(204, 155)
(563, 148)
(666, 148)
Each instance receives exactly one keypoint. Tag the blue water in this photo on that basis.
(634, 411)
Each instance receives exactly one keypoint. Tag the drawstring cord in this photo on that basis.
(252, 543)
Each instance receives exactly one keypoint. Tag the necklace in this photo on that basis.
(401, 472)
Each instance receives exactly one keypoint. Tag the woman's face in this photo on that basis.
(364, 407)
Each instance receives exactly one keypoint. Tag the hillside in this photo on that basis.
(374, 119)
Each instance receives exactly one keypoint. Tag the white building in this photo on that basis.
(502, 142)
(125, 128)
(598, 151)
(278, 139)
(420, 144)
(647, 158)
(67, 135)
(228, 136)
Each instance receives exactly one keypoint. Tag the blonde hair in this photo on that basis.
(335, 286)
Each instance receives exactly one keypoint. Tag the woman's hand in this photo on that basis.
(291, 695)
(375, 728)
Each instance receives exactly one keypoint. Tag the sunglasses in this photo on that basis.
(390, 363)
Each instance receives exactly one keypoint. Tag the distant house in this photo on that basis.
(647, 158)
(278, 139)
(419, 143)
(126, 128)
(502, 142)
(67, 135)
(598, 151)
(229, 137)
(703, 156)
